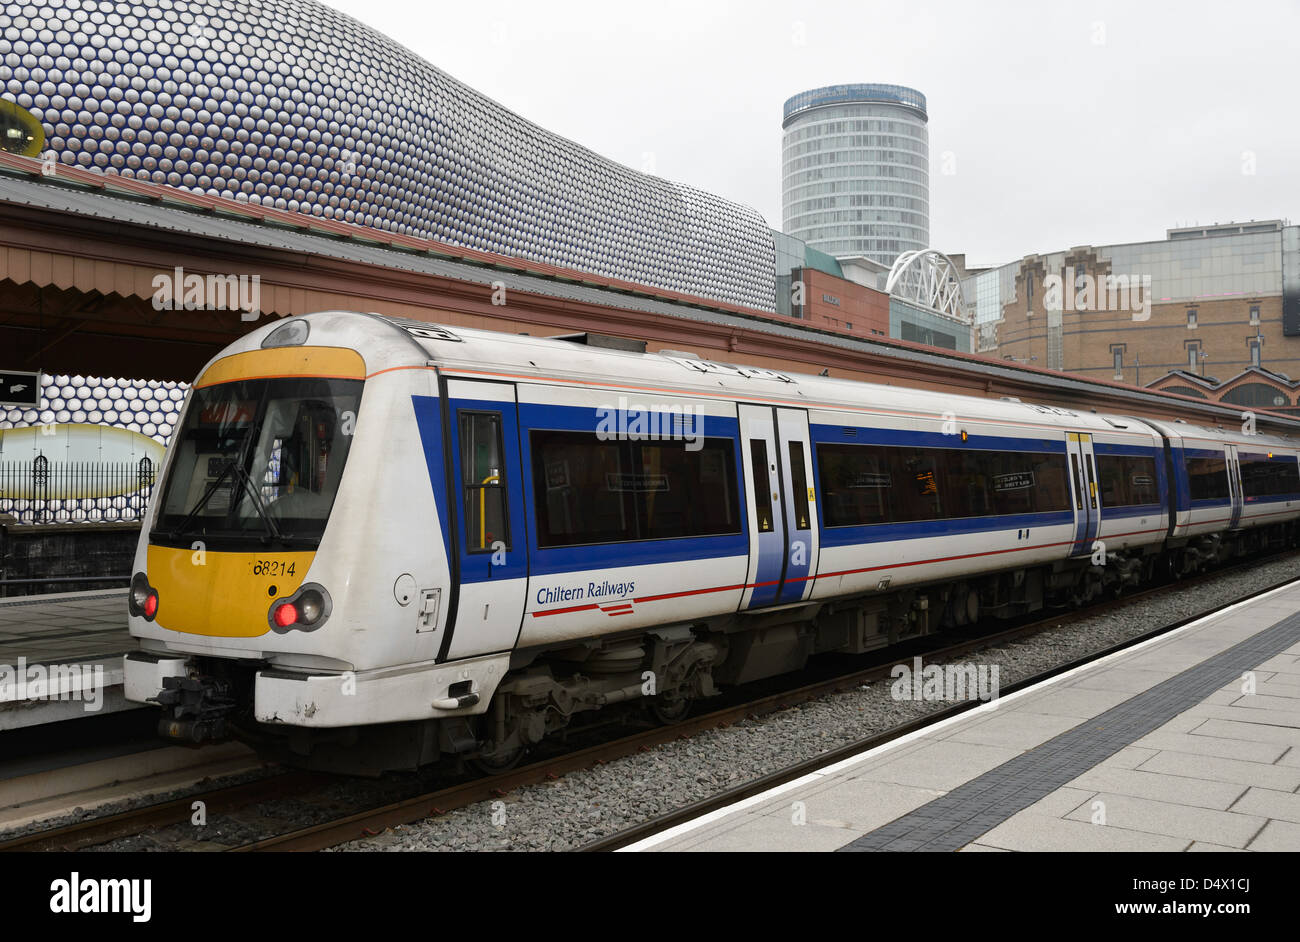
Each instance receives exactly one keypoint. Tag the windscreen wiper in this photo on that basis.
(273, 531)
(203, 501)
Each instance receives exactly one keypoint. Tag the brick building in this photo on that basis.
(1210, 302)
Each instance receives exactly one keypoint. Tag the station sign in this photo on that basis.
(20, 389)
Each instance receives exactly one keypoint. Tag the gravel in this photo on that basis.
(584, 806)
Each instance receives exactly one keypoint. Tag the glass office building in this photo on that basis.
(856, 170)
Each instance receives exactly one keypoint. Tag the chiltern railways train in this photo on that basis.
(377, 542)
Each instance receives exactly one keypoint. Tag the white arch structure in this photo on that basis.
(929, 278)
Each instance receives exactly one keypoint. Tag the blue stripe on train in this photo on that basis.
(1136, 510)
(564, 559)
(859, 435)
(920, 529)
(1132, 451)
(607, 418)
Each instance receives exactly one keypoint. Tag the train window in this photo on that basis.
(1027, 482)
(1078, 483)
(1127, 480)
(483, 480)
(762, 486)
(1262, 476)
(799, 485)
(1092, 485)
(856, 484)
(869, 484)
(688, 493)
(587, 490)
(1207, 478)
(260, 456)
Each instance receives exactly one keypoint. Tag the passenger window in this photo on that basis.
(590, 491)
(1127, 480)
(762, 486)
(1207, 478)
(863, 485)
(483, 481)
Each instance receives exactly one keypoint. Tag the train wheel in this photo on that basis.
(497, 762)
(667, 711)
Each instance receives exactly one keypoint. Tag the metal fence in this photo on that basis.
(44, 491)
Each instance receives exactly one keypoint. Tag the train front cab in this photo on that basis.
(291, 572)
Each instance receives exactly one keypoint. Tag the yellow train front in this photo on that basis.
(291, 583)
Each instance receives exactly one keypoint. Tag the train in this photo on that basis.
(378, 543)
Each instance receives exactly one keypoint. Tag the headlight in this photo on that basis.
(310, 607)
(291, 334)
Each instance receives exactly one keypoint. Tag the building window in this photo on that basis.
(1254, 351)
(1029, 291)
(1117, 357)
(1191, 318)
(1254, 313)
(1193, 356)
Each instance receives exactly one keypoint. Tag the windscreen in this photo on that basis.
(259, 460)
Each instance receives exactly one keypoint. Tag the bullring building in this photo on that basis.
(290, 104)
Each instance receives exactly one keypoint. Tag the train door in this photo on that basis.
(1083, 476)
(488, 496)
(1235, 492)
(783, 544)
(795, 450)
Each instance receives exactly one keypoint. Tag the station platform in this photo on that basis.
(61, 653)
(1187, 742)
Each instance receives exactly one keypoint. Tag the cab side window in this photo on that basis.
(483, 481)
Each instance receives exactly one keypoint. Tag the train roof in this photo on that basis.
(640, 375)
(520, 356)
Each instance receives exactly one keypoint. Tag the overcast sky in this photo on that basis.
(1051, 124)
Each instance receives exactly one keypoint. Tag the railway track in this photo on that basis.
(370, 821)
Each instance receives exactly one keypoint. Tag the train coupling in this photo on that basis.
(195, 709)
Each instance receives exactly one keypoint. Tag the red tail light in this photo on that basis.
(142, 600)
(286, 615)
